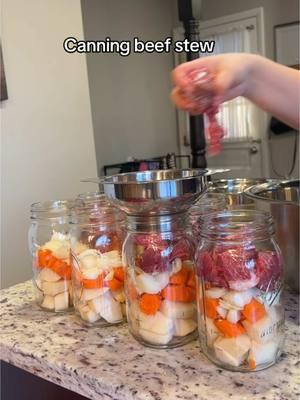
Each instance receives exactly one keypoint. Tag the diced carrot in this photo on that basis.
(254, 311)
(183, 294)
(150, 303)
(228, 329)
(252, 363)
(93, 283)
(51, 261)
(61, 268)
(191, 282)
(119, 273)
(210, 306)
(43, 257)
(115, 284)
(181, 277)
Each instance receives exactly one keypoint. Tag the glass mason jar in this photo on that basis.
(208, 203)
(97, 233)
(160, 281)
(239, 290)
(49, 244)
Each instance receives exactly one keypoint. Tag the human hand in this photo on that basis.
(203, 84)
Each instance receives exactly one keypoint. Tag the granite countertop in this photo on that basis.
(107, 363)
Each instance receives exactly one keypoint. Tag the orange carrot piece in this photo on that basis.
(210, 306)
(181, 277)
(119, 273)
(150, 303)
(228, 329)
(191, 282)
(93, 283)
(183, 294)
(254, 311)
(61, 268)
(43, 257)
(252, 363)
(115, 284)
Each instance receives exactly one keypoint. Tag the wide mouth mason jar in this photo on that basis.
(160, 280)
(97, 233)
(239, 290)
(49, 244)
(208, 203)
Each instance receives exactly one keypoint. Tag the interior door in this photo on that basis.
(244, 150)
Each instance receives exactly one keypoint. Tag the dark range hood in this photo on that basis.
(197, 136)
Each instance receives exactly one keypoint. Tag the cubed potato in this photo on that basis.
(147, 283)
(61, 301)
(88, 315)
(108, 308)
(54, 288)
(48, 275)
(48, 302)
(232, 351)
(262, 331)
(173, 309)
(158, 323)
(263, 353)
(183, 327)
(155, 338)
(89, 294)
(211, 331)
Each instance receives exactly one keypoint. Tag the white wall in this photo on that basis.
(47, 140)
(275, 12)
(132, 113)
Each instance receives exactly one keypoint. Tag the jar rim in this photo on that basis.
(237, 225)
(51, 208)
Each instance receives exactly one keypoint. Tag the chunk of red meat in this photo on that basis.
(182, 250)
(203, 94)
(210, 271)
(236, 264)
(268, 269)
(152, 261)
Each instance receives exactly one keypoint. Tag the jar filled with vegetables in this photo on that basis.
(97, 232)
(49, 244)
(239, 290)
(160, 280)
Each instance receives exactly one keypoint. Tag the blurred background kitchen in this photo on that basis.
(69, 115)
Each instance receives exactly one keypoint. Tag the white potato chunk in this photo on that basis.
(263, 353)
(261, 331)
(89, 294)
(211, 331)
(54, 288)
(157, 323)
(173, 309)
(107, 307)
(48, 302)
(232, 351)
(88, 315)
(48, 275)
(183, 327)
(155, 338)
(146, 283)
(61, 301)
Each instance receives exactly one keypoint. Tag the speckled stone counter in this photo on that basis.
(108, 363)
